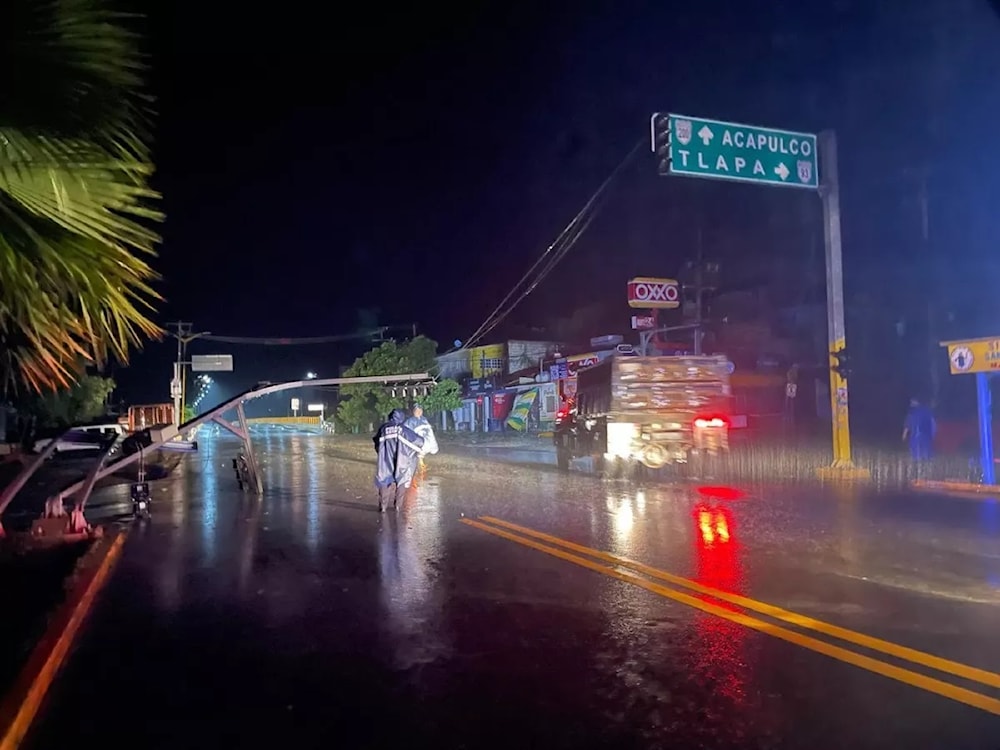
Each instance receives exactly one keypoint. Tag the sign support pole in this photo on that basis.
(984, 402)
(843, 465)
(184, 337)
(979, 357)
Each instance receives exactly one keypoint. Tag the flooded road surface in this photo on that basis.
(511, 606)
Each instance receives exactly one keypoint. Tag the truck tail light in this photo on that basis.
(706, 422)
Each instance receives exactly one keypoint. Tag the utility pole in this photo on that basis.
(836, 326)
(182, 331)
(699, 282)
(704, 277)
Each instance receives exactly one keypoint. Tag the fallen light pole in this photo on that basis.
(11, 490)
(160, 437)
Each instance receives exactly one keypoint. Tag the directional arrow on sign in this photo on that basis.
(705, 134)
(782, 171)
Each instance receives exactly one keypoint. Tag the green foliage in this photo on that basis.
(82, 402)
(75, 199)
(363, 404)
(189, 413)
(444, 396)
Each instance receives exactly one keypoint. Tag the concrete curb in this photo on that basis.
(963, 487)
(20, 705)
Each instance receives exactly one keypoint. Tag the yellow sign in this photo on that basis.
(486, 360)
(973, 355)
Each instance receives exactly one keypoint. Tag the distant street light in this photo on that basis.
(310, 375)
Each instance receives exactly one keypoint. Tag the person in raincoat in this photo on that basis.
(918, 430)
(419, 424)
(397, 448)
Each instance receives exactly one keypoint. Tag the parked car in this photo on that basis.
(85, 438)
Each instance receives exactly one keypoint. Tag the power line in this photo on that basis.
(375, 333)
(300, 341)
(553, 253)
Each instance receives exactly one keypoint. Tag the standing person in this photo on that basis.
(397, 448)
(919, 429)
(419, 424)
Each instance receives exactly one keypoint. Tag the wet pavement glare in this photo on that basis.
(306, 617)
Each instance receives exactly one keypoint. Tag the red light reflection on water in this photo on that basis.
(718, 566)
(717, 550)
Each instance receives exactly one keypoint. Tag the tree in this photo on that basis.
(446, 395)
(369, 403)
(75, 198)
(82, 402)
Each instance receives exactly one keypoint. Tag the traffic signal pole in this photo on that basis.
(829, 190)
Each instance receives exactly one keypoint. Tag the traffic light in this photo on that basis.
(843, 366)
(659, 127)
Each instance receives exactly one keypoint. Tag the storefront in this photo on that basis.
(563, 372)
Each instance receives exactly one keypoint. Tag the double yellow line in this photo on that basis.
(647, 577)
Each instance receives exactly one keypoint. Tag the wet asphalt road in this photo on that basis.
(308, 619)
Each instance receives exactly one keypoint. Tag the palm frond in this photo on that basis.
(75, 69)
(68, 298)
(80, 187)
(75, 200)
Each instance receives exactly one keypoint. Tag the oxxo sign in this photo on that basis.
(648, 293)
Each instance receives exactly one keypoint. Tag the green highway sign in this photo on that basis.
(745, 153)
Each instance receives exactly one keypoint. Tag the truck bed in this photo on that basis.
(641, 388)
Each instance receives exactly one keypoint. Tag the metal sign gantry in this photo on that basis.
(715, 149)
(164, 435)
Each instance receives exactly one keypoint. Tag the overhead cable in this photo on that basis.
(293, 341)
(553, 254)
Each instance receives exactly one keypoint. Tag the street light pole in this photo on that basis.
(178, 386)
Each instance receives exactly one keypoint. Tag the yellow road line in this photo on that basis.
(965, 671)
(51, 651)
(915, 679)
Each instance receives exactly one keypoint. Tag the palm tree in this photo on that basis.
(75, 199)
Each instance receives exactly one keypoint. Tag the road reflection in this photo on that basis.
(210, 501)
(312, 497)
(169, 576)
(249, 532)
(721, 654)
(407, 542)
(626, 509)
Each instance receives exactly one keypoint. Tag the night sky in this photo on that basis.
(318, 160)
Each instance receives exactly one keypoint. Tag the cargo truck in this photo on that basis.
(652, 411)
